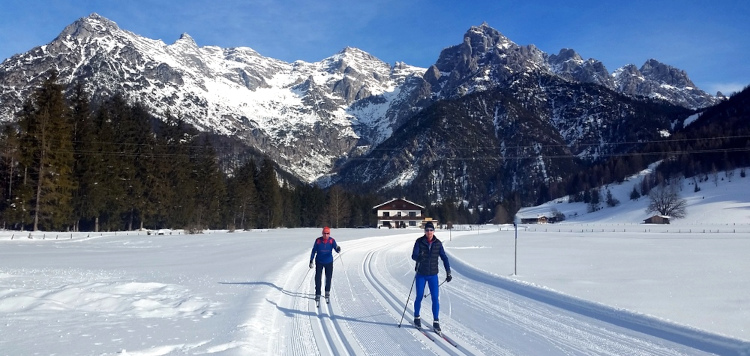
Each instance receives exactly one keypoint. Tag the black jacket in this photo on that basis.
(427, 257)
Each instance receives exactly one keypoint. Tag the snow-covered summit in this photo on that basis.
(308, 117)
(298, 113)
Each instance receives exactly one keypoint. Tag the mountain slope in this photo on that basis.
(312, 118)
(487, 59)
(484, 146)
(303, 115)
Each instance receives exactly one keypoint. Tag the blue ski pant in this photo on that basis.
(432, 282)
(319, 276)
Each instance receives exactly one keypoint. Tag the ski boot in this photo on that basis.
(328, 297)
(417, 322)
(317, 300)
(436, 326)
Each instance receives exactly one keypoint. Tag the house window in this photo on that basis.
(412, 214)
(386, 214)
(412, 223)
(398, 214)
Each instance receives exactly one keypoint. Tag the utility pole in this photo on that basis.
(515, 249)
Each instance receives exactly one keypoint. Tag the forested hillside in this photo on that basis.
(68, 166)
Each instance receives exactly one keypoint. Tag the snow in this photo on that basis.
(691, 119)
(596, 284)
(238, 91)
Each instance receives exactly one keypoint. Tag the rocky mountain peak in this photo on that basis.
(350, 58)
(354, 52)
(487, 59)
(93, 25)
(310, 117)
(566, 55)
(666, 74)
(569, 64)
(565, 61)
(483, 39)
(185, 38)
(661, 81)
(478, 44)
(185, 44)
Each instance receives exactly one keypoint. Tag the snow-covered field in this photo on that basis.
(597, 284)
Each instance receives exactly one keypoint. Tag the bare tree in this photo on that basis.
(665, 199)
(338, 207)
(501, 215)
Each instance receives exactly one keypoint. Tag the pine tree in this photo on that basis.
(312, 201)
(611, 200)
(105, 191)
(160, 194)
(211, 194)
(137, 146)
(269, 216)
(594, 201)
(291, 207)
(14, 204)
(243, 197)
(178, 167)
(87, 199)
(634, 195)
(47, 151)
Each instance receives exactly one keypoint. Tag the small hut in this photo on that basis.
(657, 219)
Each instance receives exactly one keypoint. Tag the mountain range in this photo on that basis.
(489, 117)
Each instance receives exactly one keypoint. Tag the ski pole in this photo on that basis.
(407, 298)
(303, 279)
(428, 293)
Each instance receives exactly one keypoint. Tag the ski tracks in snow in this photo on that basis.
(372, 284)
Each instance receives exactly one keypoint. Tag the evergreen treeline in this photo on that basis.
(66, 165)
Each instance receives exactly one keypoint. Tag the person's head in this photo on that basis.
(429, 229)
(326, 232)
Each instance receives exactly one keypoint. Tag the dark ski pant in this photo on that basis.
(329, 273)
(432, 281)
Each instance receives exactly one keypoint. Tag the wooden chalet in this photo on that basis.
(399, 213)
(536, 220)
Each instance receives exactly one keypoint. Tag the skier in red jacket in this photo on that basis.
(323, 248)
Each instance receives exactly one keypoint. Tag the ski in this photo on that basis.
(446, 338)
(425, 333)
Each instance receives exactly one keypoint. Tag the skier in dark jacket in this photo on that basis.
(426, 251)
(323, 248)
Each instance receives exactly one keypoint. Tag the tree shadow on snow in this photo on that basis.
(334, 317)
(282, 290)
(291, 312)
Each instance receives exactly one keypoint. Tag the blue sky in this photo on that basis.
(707, 39)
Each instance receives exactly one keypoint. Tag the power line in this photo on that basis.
(130, 148)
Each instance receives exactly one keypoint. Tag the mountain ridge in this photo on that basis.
(311, 118)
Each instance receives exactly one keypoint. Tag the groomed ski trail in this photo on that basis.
(372, 284)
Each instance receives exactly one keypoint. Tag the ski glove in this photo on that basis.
(448, 278)
(311, 264)
(338, 249)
